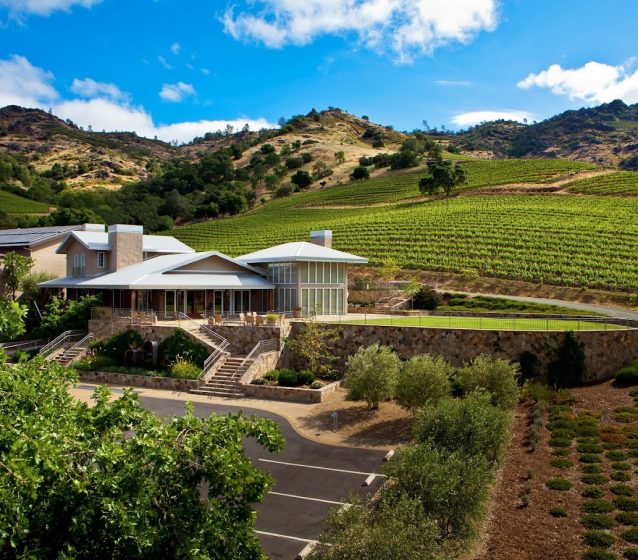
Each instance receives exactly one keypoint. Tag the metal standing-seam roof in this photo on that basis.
(300, 251)
(99, 241)
(160, 273)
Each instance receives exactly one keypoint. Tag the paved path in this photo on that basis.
(612, 311)
(310, 478)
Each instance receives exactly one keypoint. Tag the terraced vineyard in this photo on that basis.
(14, 204)
(619, 183)
(392, 189)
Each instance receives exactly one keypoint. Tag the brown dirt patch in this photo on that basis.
(387, 427)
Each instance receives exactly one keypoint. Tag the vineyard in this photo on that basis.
(619, 183)
(13, 204)
(397, 188)
(542, 238)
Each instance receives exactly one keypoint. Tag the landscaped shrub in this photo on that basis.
(592, 469)
(561, 463)
(626, 504)
(598, 554)
(180, 344)
(621, 476)
(597, 521)
(95, 362)
(471, 425)
(498, 377)
(594, 479)
(561, 484)
(598, 506)
(628, 518)
(621, 466)
(589, 448)
(592, 492)
(622, 490)
(628, 375)
(616, 455)
(561, 452)
(64, 315)
(598, 538)
(372, 374)
(560, 442)
(558, 511)
(631, 535)
(590, 458)
(290, 378)
(631, 554)
(423, 380)
(184, 369)
(427, 299)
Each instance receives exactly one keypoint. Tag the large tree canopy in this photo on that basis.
(115, 481)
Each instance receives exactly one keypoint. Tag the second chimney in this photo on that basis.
(322, 237)
(126, 245)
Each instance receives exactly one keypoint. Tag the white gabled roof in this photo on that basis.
(300, 251)
(99, 241)
(157, 273)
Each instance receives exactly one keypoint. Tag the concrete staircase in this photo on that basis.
(75, 352)
(225, 382)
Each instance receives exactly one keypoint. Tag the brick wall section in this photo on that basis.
(605, 351)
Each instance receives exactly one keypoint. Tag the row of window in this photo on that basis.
(282, 273)
(322, 301)
(311, 273)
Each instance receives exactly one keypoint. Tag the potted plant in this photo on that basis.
(272, 318)
(296, 312)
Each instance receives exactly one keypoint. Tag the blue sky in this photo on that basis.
(176, 69)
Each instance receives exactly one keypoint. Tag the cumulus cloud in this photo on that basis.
(88, 87)
(407, 28)
(476, 117)
(43, 7)
(101, 105)
(176, 93)
(593, 82)
(176, 48)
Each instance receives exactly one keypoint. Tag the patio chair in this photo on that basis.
(242, 318)
(259, 320)
(218, 318)
(250, 320)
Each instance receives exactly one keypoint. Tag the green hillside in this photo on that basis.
(13, 204)
(620, 182)
(551, 238)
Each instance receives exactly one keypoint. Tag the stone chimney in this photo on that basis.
(322, 237)
(126, 245)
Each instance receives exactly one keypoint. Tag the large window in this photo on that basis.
(79, 265)
(323, 273)
(282, 273)
(322, 301)
(285, 299)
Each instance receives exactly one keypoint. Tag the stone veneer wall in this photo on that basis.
(292, 394)
(244, 338)
(605, 351)
(107, 378)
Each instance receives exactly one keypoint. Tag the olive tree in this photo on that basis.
(115, 481)
(423, 380)
(372, 374)
(498, 377)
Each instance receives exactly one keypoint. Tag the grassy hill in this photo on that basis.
(13, 204)
(554, 238)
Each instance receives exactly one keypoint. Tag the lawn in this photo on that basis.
(485, 323)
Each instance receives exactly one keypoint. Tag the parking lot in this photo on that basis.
(310, 480)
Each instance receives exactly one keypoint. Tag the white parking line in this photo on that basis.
(307, 498)
(279, 536)
(319, 468)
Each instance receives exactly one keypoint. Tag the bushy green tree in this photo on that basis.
(116, 481)
(372, 374)
(423, 380)
(301, 179)
(15, 268)
(397, 529)
(471, 425)
(359, 172)
(443, 175)
(498, 377)
(12, 316)
(451, 485)
(64, 315)
(313, 346)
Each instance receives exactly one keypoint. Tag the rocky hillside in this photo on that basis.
(607, 134)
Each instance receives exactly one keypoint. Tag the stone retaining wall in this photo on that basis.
(292, 394)
(151, 382)
(244, 338)
(605, 351)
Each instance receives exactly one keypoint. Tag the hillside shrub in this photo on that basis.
(622, 490)
(471, 426)
(560, 484)
(451, 485)
(598, 505)
(372, 374)
(624, 503)
(561, 463)
(628, 518)
(592, 492)
(423, 380)
(631, 535)
(498, 377)
(627, 375)
(558, 511)
(631, 553)
(592, 469)
(598, 538)
(597, 521)
(598, 554)
(621, 476)
(621, 466)
(360, 172)
(180, 344)
(426, 299)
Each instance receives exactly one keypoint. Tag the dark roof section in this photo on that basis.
(27, 237)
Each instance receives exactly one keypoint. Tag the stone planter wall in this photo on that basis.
(291, 394)
(262, 365)
(105, 378)
(605, 351)
(244, 338)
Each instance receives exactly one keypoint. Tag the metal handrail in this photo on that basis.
(57, 342)
(263, 346)
(79, 343)
(11, 347)
(220, 340)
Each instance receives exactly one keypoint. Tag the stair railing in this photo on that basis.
(58, 341)
(262, 347)
(80, 343)
(220, 341)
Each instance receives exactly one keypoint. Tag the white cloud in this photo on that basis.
(21, 83)
(476, 117)
(205, 71)
(453, 83)
(164, 63)
(176, 48)
(90, 88)
(176, 93)
(593, 82)
(407, 28)
(104, 106)
(43, 7)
